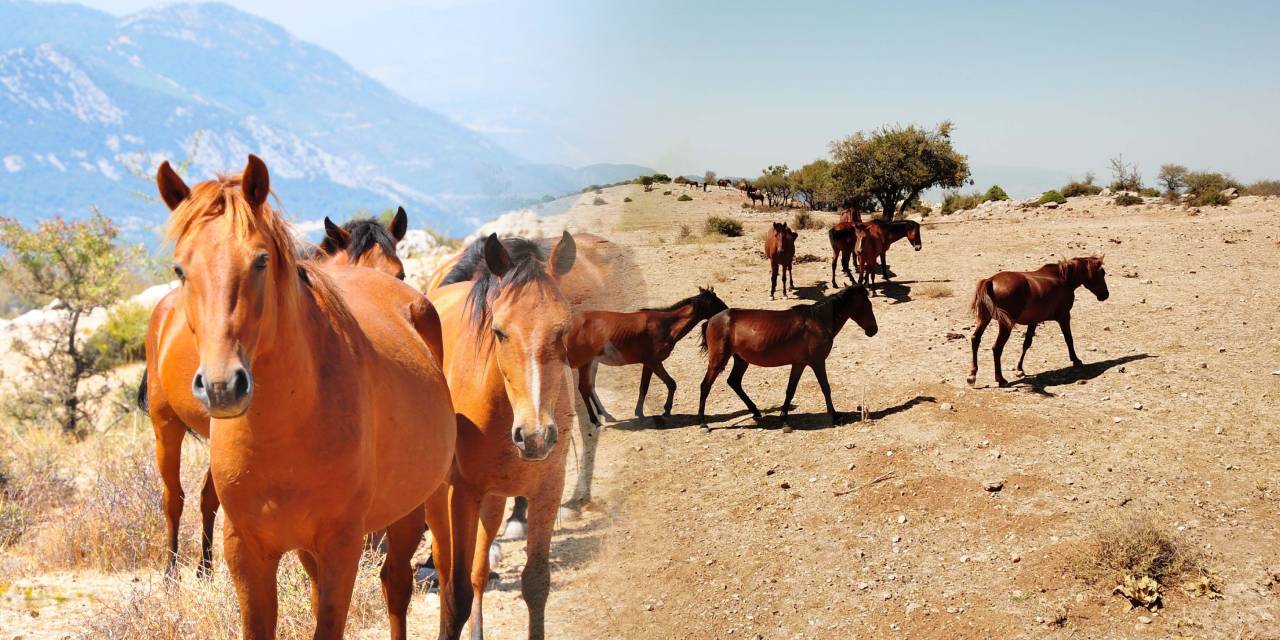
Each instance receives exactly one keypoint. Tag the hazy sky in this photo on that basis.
(734, 86)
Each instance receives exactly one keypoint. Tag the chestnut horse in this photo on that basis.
(889, 232)
(643, 337)
(780, 249)
(329, 416)
(165, 390)
(505, 322)
(1032, 297)
(801, 336)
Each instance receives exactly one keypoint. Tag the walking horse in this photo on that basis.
(780, 249)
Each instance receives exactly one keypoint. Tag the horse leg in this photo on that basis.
(600, 410)
(735, 382)
(792, 382)
(974, 342)
(846, 255)
(835, 257)
(337, 560)
(169, 433)
(585, 384)
(1065, 323)
(490, 517)
(884, 264)
(715, 365)
(1026, 345)
(451, 549)
(666, 379)
(586, 465)
(208, 511)
(820, 372)
(403, 537)
(997, 349)
(518, 521)
(535, 580)
(645, 375)
(773, 280)
(253, 571)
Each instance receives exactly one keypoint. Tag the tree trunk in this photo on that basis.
(71, 393)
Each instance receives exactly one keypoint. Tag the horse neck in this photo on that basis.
(290, 363)
(680, 321)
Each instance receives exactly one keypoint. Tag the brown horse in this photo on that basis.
(780, 249)
(843, 238)
(867, 246)
(643, 337)
(165, 390)
(755, 196)
(329, 416)
(1032, 297)
(889, 232)
(505, 322)
(801, 336)
(724, 183)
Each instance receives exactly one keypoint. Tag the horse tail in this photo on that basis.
(702, 342)
(143, 402)
(984, 302)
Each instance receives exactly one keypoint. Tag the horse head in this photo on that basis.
(913, 235)
(365, 243)
(855, 304)
(707, 303)
(1095, 277)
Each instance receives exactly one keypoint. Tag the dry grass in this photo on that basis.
(804, 220)
(932, 290)
(1137, 547)
(34, 479)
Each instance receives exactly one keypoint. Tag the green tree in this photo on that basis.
(1173, 177)
(79, 265)
(1125, 176)
(775, 185)
(894, 164)
(813, 184)
(647, 181)
(995, 193)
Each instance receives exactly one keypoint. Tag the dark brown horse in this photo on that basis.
(801, 336)
(889, 232)
(643, 337)
(1032, 297)
(780, 249)
(843, 238)
(755, 196)
(724, 183)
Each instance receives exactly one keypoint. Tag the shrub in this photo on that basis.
(1084, 187)
(685, 232)
(684, 197)
(121, 339)
(661, 177)
(1126, 176)
(1173, 177)
(804, 220)
(666, 193)
(627, 199)
(1051, 196)
(1149, 192)
(1127, 200)
(1264, 188)
(931, 290)
(724, 226)
(1205, 188)
(598, 201)
(995, 193)
(1137, 548)
(955, 201)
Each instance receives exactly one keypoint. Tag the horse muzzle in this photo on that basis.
(535, 444)
(227, 397)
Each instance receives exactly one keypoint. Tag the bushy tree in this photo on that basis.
(774, 184)
(1125, 176)
(1084, 187)
(995, 193)
(813, 184)
(647, 181)
(79, 265)
(1206, 188)
(661, 178)
(895, 164)
(1173, 177)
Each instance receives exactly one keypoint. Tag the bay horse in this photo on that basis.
(330, 417)
(754, 196)
(867, 246)
(165, 391)
(843, 238)
(801, 336)
(1032, 297)
(889, 232)
(645, 337)
(505, 323)
(780, 249)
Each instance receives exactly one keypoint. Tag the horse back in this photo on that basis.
(772, 338)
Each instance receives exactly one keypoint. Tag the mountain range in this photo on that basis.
(90, 103)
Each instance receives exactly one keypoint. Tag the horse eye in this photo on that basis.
(260, 262)
(182, 275)
(400, 275)
(497, 333)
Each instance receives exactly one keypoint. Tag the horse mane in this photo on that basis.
(1078, 270)
(528, 264)
(823, 308)
(223, 197)
(674, 306)
(365, 233)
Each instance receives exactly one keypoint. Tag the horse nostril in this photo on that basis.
(241, 384)
(198, 383)
(517, 436)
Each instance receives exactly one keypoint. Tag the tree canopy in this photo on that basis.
(894, 164)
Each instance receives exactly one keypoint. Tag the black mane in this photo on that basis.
(528, 263)
(366, 232)
(677, 305)
(822, 307)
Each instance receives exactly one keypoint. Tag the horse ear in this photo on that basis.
(172, 189)
(496, 256)
(256, 182)
(564, 254)
(335, 237)
(399, 224)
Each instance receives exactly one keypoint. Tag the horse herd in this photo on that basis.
(338, 401)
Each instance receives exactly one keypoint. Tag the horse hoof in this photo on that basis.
(568, 514)
(514, 531)
(704, 429)
(1002, 382)
(1019, 373)
(786, 428)
(972, 380)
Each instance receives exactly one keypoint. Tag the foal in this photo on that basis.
(780, 249)
(868, 246)
(801, 336)
(646, 336)
(1032, 297)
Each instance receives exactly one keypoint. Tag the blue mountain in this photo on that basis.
(90, 103)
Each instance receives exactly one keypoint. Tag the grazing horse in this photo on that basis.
(867, 246)
(843, 238)
(1032, 297)
(889, 232)
(724, 183)
(329, 415)
(801, 336)
(165, 391)
(780, 249)
(754, 196)
(505, 321)
(643, 337)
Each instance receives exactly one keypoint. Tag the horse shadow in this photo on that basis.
(819, 420)
(673, 421)
(1040, 382)
(812, 292)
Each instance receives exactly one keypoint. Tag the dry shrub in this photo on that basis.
(685, 233)
(1139, 548)
(803, 220)
(806, 258)
(193, 608)
(33, 480)
(932, 290)
(598, 201)
(724, 226)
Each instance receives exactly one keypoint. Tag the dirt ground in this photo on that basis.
(883, 528)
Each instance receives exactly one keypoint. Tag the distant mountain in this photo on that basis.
(91, 103)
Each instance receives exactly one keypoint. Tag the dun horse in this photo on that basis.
(165, 391)
(329, 416)
(643, 337)
(505, 322)
(780, 249)
(1032, 297)
(801, 336)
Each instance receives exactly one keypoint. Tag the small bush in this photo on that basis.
(995, 193)
(666, 193)
(1077, 188)
(804, 220)
(627, 199)
(1264, 188)
(685, 232)
(1127, 200)
(1149, 192)
(1205, 188)
(956, 201)
(122, 339)
(724, 226)
(684, 197)
(1051, 196)
(598, 201)
(1137, 548)
(932, 290)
